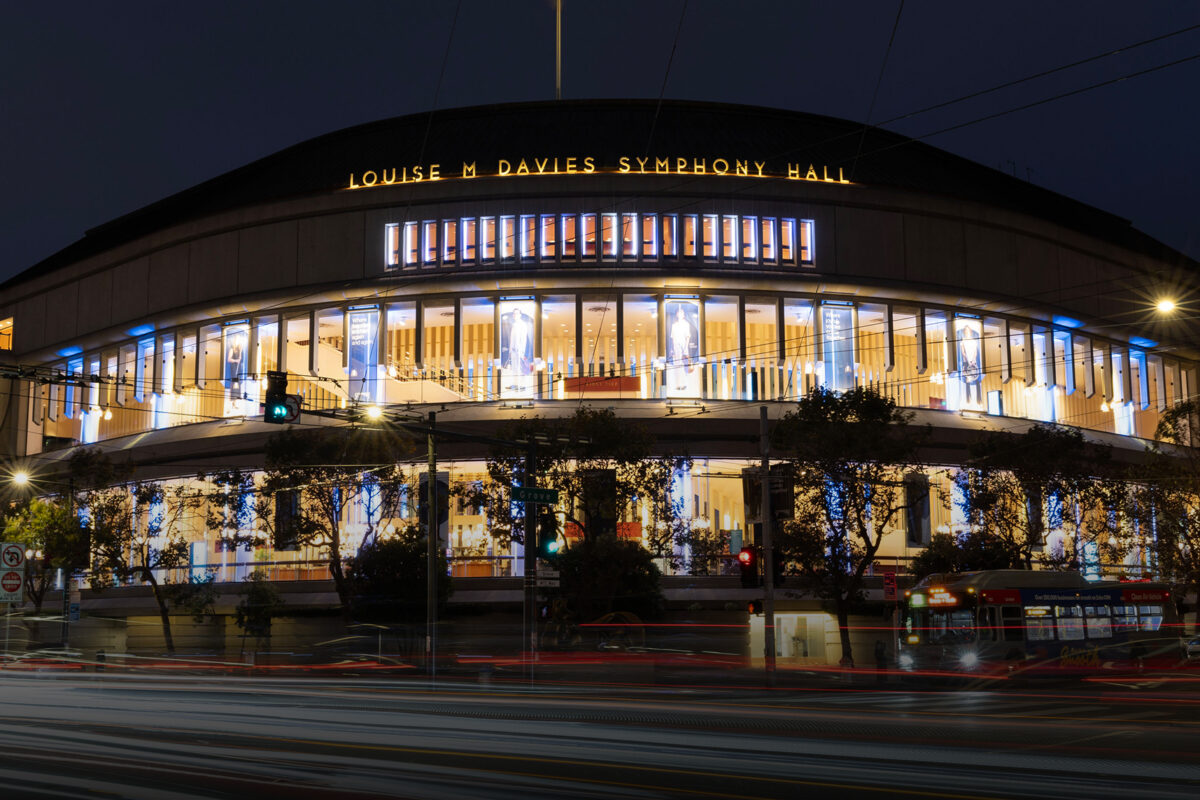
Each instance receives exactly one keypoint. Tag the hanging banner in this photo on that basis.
(682, 371)
(837, 345)
(968, 334)
(364, 355)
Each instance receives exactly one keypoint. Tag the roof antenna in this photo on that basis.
(558, 50)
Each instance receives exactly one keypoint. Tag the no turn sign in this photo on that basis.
(12, 571)
(12, 555)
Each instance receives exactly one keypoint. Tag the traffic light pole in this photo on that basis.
(431, 545)
(768, 554)
(531, 554)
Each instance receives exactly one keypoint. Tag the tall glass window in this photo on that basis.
(872, 344)
(799, 338)
(937, 349)
(608, 235)
(806, 241)
(589, 235)
(391, 243)
(412, 247)
(478, 344)
(837, 346)
(770, 246)
(649, 236)
(708, 235)
(267, 357)
(568, 236)
(750, 239)
(547, 238)
(299, 340)
(469, 237)
(449, 241)
(670, 236)
(787, 241)
(558, 340)
(508, 238)
(691, 234)
(629, 236)
(487, 238)
(641, 337)
(529, 231)
(729, 238)
(599, 333)
(400, 347)
(683, 372)
(430, 242)
(439, 340)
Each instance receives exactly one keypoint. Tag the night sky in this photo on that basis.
(108, 106)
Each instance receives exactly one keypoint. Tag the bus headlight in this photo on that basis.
(969, 660)
(906, 661)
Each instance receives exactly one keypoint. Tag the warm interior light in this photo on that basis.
(1165, 306)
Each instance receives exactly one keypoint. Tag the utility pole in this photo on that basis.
(531, 553)
(768, 555)
(431, 542)
(68, 570)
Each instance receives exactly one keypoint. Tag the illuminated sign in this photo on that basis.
(587, 165)
(940, 597)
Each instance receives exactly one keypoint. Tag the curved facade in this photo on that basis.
(684, 264)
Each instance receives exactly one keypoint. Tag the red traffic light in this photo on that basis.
(746, 556)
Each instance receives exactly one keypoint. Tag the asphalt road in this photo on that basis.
(94, 736)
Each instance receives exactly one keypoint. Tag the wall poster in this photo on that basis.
(363, 360)
(518, 374)
(968, 336)
(683, 373)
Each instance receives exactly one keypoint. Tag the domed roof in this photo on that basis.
(607, 130)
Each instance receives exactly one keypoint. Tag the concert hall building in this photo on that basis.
(683, 264)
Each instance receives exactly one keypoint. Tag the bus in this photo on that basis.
(1009, 621)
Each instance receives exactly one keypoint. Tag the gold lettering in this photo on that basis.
(371, 180)
(504, 167)
(841, 177)
(418, 173)
(623, 164)
(642, 165)
(826, 169)
(721, 170)
(589, 164)
(556, 165)
(793, 171)
(811, 175)
(760, 164)
(468, 170)
(681, 165)
(571, 164)
(541, 164)
(742, 167)
(386, 179)
(353, 185)
(522, 168)
(660, 165)
(435, 172)
(698, 166)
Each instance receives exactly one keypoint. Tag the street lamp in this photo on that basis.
(1165, 305)
(20, 478)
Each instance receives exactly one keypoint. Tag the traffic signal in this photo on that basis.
(777, 570)
(755, 606)
(278, 406)
(548, 543)
(748, 563)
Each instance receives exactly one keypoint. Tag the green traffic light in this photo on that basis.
(551, 547)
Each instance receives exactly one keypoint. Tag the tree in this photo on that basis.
(1165, 499)
(390, 578)
(260, 604)
(603, 575)
(46, 526)
(312, 479)
(1018, 488)
(966, 552)
(849, 454)
(137, 535)
(602, 467)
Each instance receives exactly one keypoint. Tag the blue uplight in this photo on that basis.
(1067, 322)
(141, 330)
(1141, 341)
(73, 350)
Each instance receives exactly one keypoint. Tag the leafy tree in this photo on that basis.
(313, 477)
(47, 526)
(966, 552)
(260, 604)
(1019, 487)
(849, 453)
(601, 466)
(389, 576)
(1165, 500)
(602, 575)
(137, 535)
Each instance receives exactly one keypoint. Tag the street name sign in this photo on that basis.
(534, 494)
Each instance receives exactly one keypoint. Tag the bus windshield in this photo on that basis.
(935, 626)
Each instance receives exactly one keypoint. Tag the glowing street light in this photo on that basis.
(1165, 306)
(20, 478)
(374, 412)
